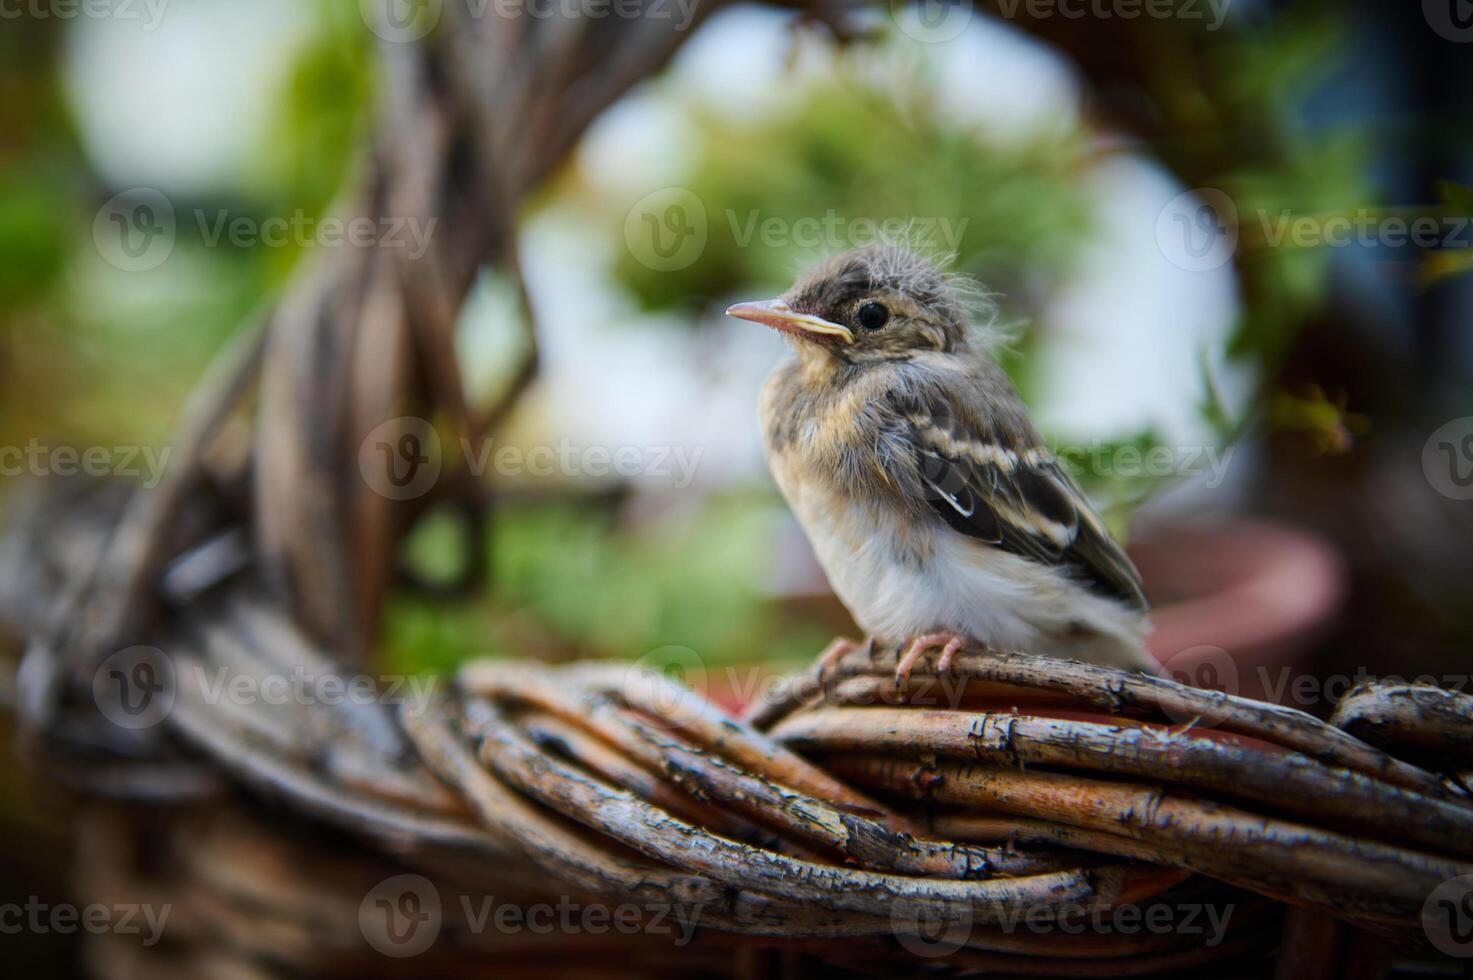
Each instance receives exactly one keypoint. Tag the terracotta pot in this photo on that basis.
(1239, 604)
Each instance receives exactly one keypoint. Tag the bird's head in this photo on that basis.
(869, 305)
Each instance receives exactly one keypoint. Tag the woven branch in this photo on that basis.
(1052, 789)
(844, 819)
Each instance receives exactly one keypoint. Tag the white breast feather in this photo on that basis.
(1002, 599)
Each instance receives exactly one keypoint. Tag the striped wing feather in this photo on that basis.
(1018, 499)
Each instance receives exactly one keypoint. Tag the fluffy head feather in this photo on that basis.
(925, 309)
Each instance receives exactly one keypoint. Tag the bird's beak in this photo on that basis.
(778, 315)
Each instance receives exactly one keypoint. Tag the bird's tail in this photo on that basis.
(1124, 649)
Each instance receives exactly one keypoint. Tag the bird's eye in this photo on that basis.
(872, 316)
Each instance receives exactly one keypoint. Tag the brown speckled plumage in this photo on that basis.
(912, 463)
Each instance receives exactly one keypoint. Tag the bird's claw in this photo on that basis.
(950, 643)
(949, 652)
(836, 651)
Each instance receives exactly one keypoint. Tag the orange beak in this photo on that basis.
(778, 315)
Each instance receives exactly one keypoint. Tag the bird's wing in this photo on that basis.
(1015, 497)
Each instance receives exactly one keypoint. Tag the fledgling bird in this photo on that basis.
(936, 510)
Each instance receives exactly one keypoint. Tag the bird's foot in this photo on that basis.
(836, 651)
(950, 643)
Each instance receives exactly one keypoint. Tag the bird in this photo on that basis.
(938, 513)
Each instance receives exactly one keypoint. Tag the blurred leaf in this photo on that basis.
(1116, 486)
(436, 549)
(1448, 263)
(323, 114)
(1459, 196)
(1274, 65)
(1214, 408)
(1331, 427)
(1445, 264)
(34, 201)
(853, 154)
(1326, 174)
(606, 591)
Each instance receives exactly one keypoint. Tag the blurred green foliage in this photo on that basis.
(1273, 162)
(97, 356)
(39, 164)
(1324, 175)
(569, 580)
(870, 147)
(33, 242)
(853, 147)
(1012, 215)
(325, 110)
